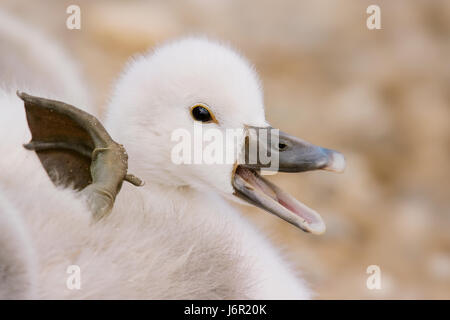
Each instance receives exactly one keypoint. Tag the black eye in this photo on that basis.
(200, 113)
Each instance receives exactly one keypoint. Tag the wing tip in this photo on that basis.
(24, 96)
(21, 95)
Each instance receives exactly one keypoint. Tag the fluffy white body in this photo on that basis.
(174, 238)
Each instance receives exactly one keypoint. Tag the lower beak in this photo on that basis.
(286, 154)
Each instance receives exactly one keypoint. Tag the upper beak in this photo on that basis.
(292, 154)
(286, 154)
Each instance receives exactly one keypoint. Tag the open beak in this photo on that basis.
(290, 154)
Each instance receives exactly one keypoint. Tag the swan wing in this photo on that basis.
(77, 152)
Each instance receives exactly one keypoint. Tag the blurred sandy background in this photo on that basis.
(382, 97)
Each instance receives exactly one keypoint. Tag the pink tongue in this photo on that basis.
(259, 184)
(277, 195)
(295, 209)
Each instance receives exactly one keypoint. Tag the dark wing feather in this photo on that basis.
(76, 151)
(62, 145)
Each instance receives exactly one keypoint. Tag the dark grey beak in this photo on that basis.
(279, 151)
(271, 149)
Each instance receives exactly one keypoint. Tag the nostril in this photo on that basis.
(282, 146)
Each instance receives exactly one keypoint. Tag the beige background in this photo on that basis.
(381, 97)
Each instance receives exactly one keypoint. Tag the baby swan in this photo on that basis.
(176, 237)
(186, 203)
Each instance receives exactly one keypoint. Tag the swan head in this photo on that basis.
(189, 114)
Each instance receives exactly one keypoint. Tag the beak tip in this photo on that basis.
(337, 162)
